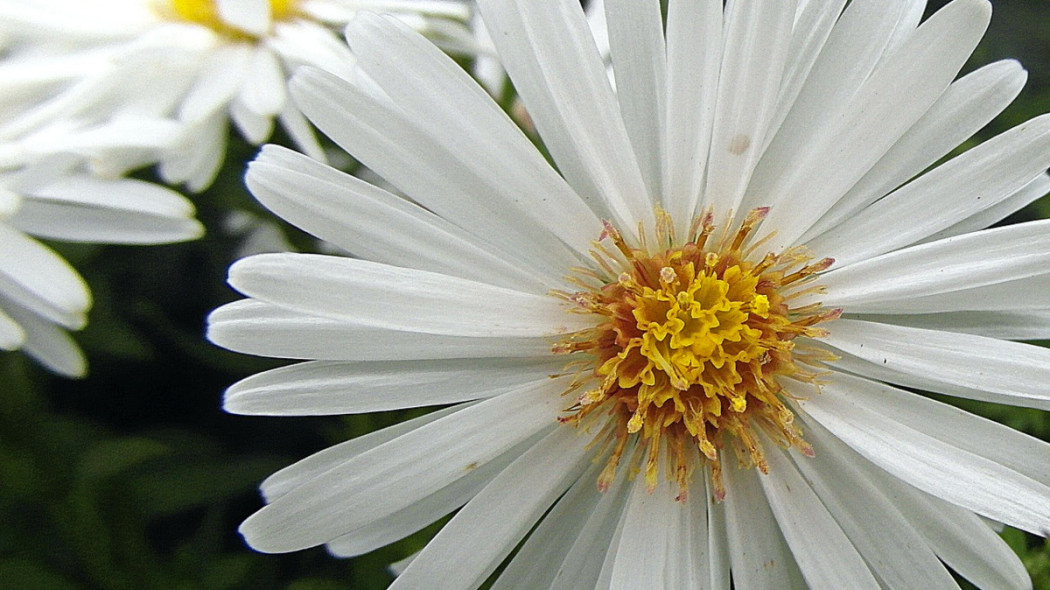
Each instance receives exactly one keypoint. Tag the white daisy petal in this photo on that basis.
(528, 184)
(320, 388)
(636, 37)
(571, 103)
(956, 190)
(12, 336)
(264, 86)
(803, 517)
(250, 16)
(1015, 373)
(532, 566)
(37, 278)
(896, 95)
(694, 48)
(758, 552)
(259, 328)
(309, 468)
(426, 302)
(964, 108)
(373, 223)
(757, 37)
(50, 345)
(1009, 253)
(856, 45)
(900, 557)
(450, 183)
(555, 461)
(996, 213)
(398, 473)
(1030, 324)
(424, 512)
(940, 467)
(959, 537)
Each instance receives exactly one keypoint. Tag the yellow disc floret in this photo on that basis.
(693, 342)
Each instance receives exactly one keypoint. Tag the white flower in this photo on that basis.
(78, 65)
(41, 295)
(692, 390)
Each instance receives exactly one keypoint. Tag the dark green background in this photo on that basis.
(133, 478)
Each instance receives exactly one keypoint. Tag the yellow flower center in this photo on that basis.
(205, 12)
(691, 347)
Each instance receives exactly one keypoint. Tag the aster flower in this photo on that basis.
(55, 198)
(79, 65)
(680, 358)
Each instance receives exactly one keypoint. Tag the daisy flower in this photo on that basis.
(686, 354)
(202, 62)
(55, 198)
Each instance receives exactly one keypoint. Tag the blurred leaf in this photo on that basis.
(111, 457)
(23, 574)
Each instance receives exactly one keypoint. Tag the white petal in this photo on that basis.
(959, 537)
(302, 133)
(322, 388)
(760, 557)
(37, 278)
(694, 56)
(896, 553)
(253, 327)
(264, 88)
(48, 343)
(958, 263)
(396, 474)
(533, 565)
(864, 128)
(389, 297)
(1018, 373)
(250, 16)
(12, 336)
(939, 462)
(855, 46)
(996, 213)
(956, 190)
(253, 126)
(636, 36)
(757, 36)
(964, 108)
(1009, 325)
(656, 545)
(582, 563)
(425, 511)
(218, 81)
(309, 468)
(823, 552)
(440, 95)
(422, 165)
(374, 224)
(505, 510)
(571, 103)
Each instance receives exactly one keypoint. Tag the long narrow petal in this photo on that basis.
(959, 263)
(382, 296)
(571, 102)
(448, 181)
(960, 188)
(940, 463)
(254, 327)
(38, 279)
(1029, 324)
(376, 225)
(398, 473)
(822, 550)
(435, 90)
(327, 388)
(864, 128)
(1010, 369)
(535, 481)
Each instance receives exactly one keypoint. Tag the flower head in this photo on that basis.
(678, 359)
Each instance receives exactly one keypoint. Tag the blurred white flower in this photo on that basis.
(41, 295)
(119, 64)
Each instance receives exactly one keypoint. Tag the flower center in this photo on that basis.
(205, 12)
(693, 342)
